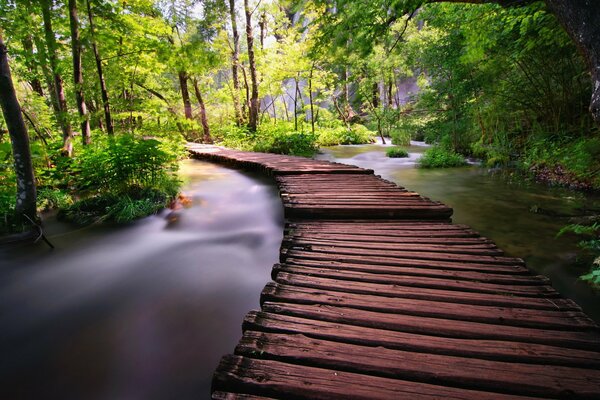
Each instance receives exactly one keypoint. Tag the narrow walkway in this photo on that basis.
(379, 296)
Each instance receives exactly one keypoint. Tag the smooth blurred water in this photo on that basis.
(143, 311)
(522, 218)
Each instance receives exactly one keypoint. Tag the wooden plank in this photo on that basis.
(408, 262)
(565, 320)
(475, 249)
(438, 327)
(540, 290)
(443, 295)
(415, 253)
(456, 275)
(237, 396)
(290, 381)
(388, 240)
(372, 337)
(460, 372)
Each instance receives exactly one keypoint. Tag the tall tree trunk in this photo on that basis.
(34, 81)
(375, 95)
(105, 102)
(235, 60)
(203, 118)
(253, 112)
(47, 73)
(310, 98)
(63, 117)
(581, 20)
(263, 29)
(26, 194)
(78, 73)
(185, 94)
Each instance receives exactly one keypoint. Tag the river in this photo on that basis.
(146, 310)
(142, 311)
(522, 218)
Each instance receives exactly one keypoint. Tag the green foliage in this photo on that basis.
(50, 198)
(124, 178)
(440, 157)
(396, 152)
(591, 244)
(333, 136)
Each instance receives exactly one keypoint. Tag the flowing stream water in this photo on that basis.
(142, 311)
(146, 310)
(522, 218)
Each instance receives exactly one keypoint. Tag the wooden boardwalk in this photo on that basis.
(379, 296)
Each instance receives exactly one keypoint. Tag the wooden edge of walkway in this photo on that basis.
(379, 296)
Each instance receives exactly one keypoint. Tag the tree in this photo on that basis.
(254, 102)
(26, 193)
(235, 61)
(51, 44)
(367, 22)
(100, 69)
(78, 72)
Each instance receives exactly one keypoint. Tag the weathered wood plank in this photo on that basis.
(445, 273)
(438, 327)
(540, 290)
(237, 396)
(468, 373)
(408, 292)
(402, 262)
(419, 343)
(290, 381)
(544, 319)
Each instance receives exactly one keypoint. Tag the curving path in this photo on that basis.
(379, 296)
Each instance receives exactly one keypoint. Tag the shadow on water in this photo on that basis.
(522, 218)
(143, 311)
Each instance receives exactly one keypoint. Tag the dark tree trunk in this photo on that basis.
(581, 20)
(263, 29)
(26, 194)
(48, 78)
(310, 98)
(78, 73)
(63, 117)
(34, 81)
(105, 102)
(185, 94)
(203, 118)
(253, 112)
(375, 95)
(235, 60)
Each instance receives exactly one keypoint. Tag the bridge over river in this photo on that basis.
(378, 295)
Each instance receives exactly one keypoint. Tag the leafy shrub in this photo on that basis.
(396, 152)
(439, 157)
(591, 244)
(48, 198)
(124, 207)
(293, 143)
(358, 134)
(124, 178)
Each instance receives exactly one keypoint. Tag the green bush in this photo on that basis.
(396, 152)
(49, 198)
(122, 179)
(439, 157)
(340, 135)
(590, 244)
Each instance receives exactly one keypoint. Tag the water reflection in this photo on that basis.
(522, 218)
(143, 311)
